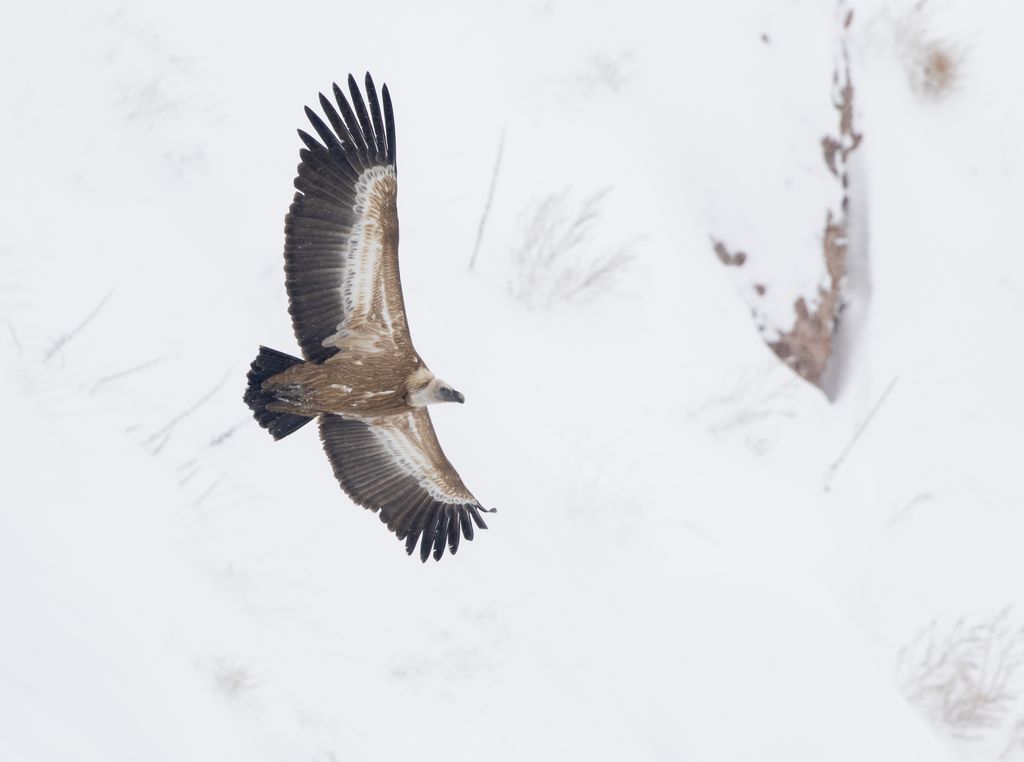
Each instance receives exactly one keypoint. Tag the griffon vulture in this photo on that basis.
(362, 378)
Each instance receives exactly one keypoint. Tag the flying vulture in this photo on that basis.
(361, 378)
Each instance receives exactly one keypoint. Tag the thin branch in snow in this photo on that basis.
(63, 340)
(490, 199)
(857, 434)
(14, 336)
(127, 372)
(159, 438)
(208, 491)
(905, 511)
(219, 439)
(190, 474)
(1016, 740)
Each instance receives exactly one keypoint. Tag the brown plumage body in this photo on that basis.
(346, 385)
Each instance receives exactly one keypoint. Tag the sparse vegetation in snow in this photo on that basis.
(966, 678)
(558, 258)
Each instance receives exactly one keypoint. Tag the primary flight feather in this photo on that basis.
(361, 378)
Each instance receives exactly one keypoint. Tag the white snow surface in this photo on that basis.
(676, 571)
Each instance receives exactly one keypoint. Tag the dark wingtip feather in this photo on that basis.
(329, 139)
(441, 534)
(364, 118)
(454, 520)
(477, 518)
(310, 141)
(350, 119)
(389, 122)
(429, 524)
(332, 116)
(378, 121)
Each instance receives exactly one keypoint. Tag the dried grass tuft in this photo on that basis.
(554, 260)
(934, 64)
(968, 678)
(935, 69)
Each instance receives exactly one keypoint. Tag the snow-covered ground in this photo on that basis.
(696, 556)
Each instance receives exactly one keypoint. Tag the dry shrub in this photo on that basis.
(934, 64)
(554, 261)
(752, 404)
(968, 678)
(606, 72)
(234, 680)
(934, 68)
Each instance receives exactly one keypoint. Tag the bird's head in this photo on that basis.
(428, 391)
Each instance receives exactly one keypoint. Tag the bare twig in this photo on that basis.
(830, 474)
(67, 337)
(159, 438)
(190, 470)
(14, 336)
(905, 511)
(219, 439)
(1016, 740)
(208, 491)
(127, 372)
(490, 199)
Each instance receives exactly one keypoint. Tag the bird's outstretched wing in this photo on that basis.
(341, 232)
(394, 465)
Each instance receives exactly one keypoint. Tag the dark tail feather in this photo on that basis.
(270, 362)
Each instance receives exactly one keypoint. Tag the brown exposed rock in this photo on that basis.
(730, 260)
(807, 346)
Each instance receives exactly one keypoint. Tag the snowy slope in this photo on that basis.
(677, 570)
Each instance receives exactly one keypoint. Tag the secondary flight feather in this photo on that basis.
(362, 379)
